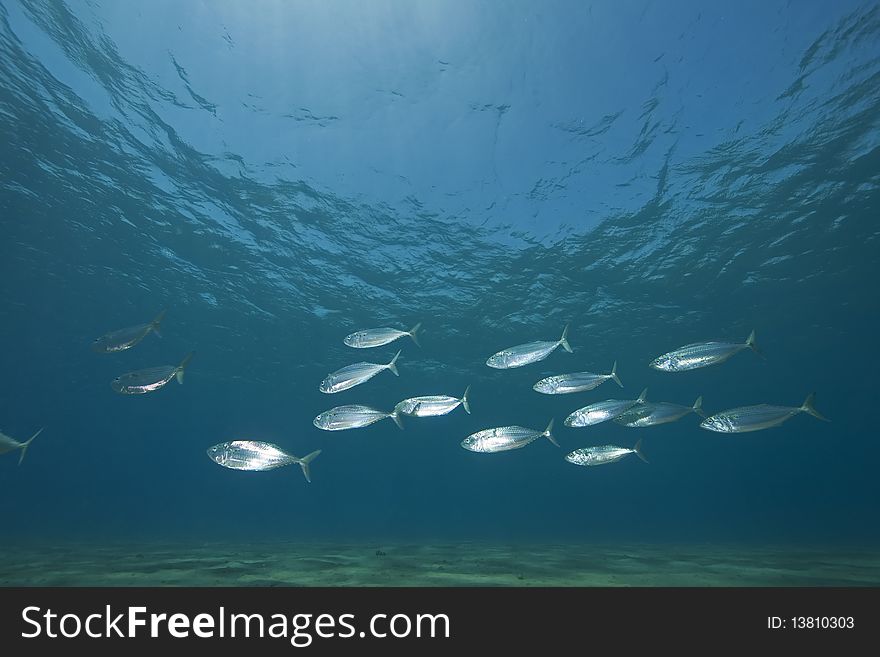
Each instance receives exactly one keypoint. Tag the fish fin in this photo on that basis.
(412, 333)
(643, 396)
(391, 366)
(638, 450)
(304, 464)
(464, 400)
(550, 435)
(154, 325)
(564, 340)
(698, 407)
(614, 374)
(25, 444)
(809, 408)
(395, 415)
(182, 366)
(750, 343)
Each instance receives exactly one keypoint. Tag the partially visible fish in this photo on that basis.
(561, 384)
(431, 405)
(150, 379)
(379, 336)
(651, 414)
(353, 375)
(10, 444)
(602, 411)
(602, 454)
(255, 455)
(761, 416)
(126, 338)
(352, 416)
(501, 439)
(701, 354)
(525, 354)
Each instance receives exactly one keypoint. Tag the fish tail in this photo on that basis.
(614, 374)
(698, 406)
(391, 366)
(564, 340)
(750, 343)
(304, 464)
(643, 396)
(413, 332)
(395, 415)
(464, 400)
(182, 366)
(638, 450)
(809, 408)
(547, 432)
(154, 325)
(26, 443)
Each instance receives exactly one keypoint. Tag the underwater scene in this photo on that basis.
(460, 293)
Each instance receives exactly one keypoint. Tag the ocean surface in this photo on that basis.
(278, 175)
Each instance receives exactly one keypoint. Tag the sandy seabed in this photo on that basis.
(464, 564)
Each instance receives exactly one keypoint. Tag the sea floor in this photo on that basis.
(472, 564)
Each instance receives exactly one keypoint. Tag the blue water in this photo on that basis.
(279, 174)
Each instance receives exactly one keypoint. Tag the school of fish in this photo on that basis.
(258, 456)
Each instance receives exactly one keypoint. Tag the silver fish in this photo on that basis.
(431, 405)
(10, 444)
(150, 379)
(258, 456)
(652, 414)
(379, 336)
(602, 411)
(126, 338)
(352, 416)
(761, 416)
(578, 382)
(525, 354)
(701, 354)
(354, 375)
(501, 439)
(602, 454)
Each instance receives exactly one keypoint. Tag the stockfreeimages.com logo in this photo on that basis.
(299, 629)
